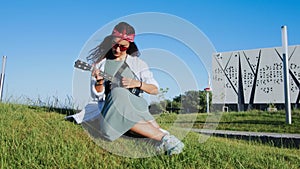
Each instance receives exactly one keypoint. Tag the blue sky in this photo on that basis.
(43, 38)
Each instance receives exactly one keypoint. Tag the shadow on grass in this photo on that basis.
(65, 111)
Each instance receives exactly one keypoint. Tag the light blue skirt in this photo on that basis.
(121, 111)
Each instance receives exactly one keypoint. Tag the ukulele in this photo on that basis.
(114, 79)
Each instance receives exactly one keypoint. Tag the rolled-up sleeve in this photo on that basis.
(97, 95)
(146, 75)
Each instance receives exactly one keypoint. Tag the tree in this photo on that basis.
(156, 108)
(203, 102)
(160, 106)
(191, 101)
(173, 106)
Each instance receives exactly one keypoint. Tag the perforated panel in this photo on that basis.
(254, 76)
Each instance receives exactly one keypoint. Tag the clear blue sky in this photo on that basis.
(43, 38)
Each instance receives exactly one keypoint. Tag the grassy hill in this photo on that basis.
(33, 137)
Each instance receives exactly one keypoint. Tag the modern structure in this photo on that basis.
(253, 79)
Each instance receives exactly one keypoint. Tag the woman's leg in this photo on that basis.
(148, 130)
(154, 123)
(169, 143)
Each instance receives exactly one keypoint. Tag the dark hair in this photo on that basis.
(103, 50)
(120, 27)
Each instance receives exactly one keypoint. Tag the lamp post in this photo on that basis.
(207, 90)
(286, 75)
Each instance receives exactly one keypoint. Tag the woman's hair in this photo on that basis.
(103, 50)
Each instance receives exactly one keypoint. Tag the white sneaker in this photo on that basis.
(172, 145)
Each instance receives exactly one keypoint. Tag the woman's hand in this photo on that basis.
(99, 80)
(130, 83)
(96, 74)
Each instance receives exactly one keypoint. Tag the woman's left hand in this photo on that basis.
(130, 83)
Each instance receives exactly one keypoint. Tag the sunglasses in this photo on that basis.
(122, 47)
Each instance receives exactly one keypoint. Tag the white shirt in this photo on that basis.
(138, 66)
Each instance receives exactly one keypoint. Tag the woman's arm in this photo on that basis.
(97, 89)
(149, 88)
(147, 81)
(97, 83)
(131, 83)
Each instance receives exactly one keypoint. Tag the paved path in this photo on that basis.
(277, 139)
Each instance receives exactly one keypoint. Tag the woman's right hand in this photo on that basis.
(96, 74)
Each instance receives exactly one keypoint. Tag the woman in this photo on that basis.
(122, 110)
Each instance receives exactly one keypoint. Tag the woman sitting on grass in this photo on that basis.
(121, 110)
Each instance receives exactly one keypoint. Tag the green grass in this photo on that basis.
(34, 137)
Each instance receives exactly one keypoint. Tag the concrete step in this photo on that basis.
(277, 139)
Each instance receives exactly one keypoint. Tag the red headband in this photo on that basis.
(123, 35)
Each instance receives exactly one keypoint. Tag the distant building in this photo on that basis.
(253, 79)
